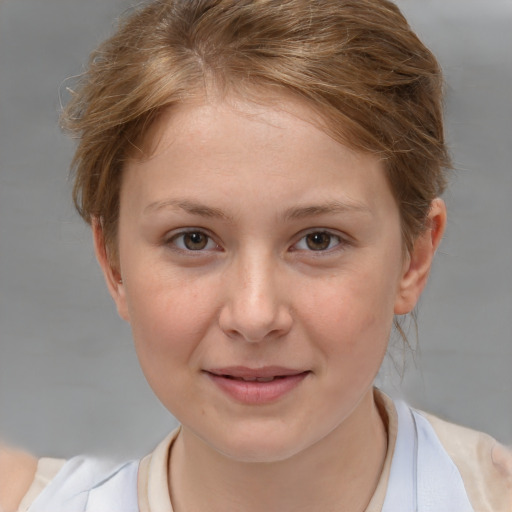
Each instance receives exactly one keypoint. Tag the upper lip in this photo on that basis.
(243, 372)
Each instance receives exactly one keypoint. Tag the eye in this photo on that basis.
(318, 241)
(193, 241)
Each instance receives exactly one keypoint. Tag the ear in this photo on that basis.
(111, 270)
(418, 263)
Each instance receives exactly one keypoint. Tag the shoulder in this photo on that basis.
(83, 484)
(484, 464)
(17, 471)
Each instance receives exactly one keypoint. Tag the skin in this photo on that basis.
(17, 469)
(253, 182)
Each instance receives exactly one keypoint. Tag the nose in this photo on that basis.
(255, 306)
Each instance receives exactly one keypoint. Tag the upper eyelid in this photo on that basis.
(183, 231)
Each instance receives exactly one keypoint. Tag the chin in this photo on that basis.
(260, 453)
(254, 444)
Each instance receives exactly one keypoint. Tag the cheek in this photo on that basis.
(351, 318)
(168, 318)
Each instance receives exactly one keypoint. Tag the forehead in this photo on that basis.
(274, 119)
(256, 102)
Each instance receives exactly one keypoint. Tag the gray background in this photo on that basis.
(69, 380)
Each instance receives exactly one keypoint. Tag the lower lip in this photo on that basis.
(257, 393)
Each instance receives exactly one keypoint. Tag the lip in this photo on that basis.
(256, 392)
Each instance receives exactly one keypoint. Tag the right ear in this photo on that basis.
(111, 269)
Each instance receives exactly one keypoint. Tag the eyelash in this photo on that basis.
(178, 242)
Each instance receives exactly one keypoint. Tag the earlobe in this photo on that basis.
(111, 271)
(419, 262)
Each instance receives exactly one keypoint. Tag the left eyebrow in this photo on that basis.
(301, 212)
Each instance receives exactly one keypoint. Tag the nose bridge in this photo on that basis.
(256, 275)
(255, 308)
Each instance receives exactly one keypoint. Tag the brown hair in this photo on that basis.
(357, 62)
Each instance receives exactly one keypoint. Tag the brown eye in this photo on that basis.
(318, 241)
(192, 241)
(195, 241)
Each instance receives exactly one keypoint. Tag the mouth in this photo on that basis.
(263, 374)
(254, 379)
(256, 385)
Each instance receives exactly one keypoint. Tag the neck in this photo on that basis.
(340, 472)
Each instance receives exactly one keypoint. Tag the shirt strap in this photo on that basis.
(86, 484)
(423, 477)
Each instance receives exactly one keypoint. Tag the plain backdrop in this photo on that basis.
(69, 379)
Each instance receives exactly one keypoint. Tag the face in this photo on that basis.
(261, 265)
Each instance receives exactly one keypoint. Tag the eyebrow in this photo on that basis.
(331, 207)
(188, 206)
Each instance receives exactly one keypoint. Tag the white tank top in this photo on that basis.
(88, 484)
(423, 478)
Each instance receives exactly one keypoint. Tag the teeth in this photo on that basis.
(253, 379)
(258, 379)
(265, 379)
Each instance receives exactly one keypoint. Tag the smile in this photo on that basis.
(256, 386)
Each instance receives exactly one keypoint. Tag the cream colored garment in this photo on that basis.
(485, 467)
(484, 464)
(46, 471)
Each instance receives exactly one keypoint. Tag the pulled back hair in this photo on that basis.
(356, 62)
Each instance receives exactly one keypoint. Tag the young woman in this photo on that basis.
(262, 179)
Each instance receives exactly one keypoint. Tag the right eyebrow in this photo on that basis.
(188, 206)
